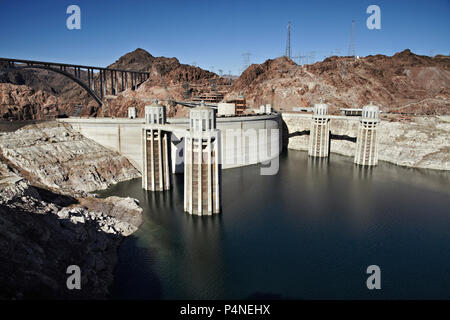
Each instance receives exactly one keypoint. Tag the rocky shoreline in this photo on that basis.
(422, 142)
(48, 219)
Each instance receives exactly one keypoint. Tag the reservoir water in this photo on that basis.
(309, 232)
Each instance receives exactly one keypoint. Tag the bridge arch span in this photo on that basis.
(67, 74)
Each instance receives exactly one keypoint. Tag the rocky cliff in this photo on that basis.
(21, 102)
(31, 94)
(422, 142)
(58, 157)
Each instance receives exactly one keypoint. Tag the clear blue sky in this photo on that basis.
(216, 33)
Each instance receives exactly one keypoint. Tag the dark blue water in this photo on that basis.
(309, 232)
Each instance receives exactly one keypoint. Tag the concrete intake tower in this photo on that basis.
(202, 170)
(155, 145)
(319, 138)
(366, 142)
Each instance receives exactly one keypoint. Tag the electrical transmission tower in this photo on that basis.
(246, 57)
(351, 47)
(312, 55)
(288, 42)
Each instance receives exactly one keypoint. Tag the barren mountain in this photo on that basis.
(169, 80)
(164, 71)
(405, 82)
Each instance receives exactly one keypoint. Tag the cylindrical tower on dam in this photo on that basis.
(202, 171)
(155, 173)
(319, 137)
(366, 142)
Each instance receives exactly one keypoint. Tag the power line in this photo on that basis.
(299, 58)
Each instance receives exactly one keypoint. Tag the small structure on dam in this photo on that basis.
(366, 143)
(155, 175)
(319, 139)
(202, 171)
(132, 114)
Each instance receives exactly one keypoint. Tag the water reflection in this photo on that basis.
(308, 232)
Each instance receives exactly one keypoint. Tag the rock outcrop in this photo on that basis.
(46, 221)
(34, 94)
(57, 157)
(20, 102)
(42, 233)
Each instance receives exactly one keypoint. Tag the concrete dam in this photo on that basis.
(240, 137)
(200, 147)
(203, 145)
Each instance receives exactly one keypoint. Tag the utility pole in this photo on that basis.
(288, 42)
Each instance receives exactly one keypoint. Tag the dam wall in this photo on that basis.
(246, 140)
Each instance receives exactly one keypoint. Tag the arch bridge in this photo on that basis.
(97, 81)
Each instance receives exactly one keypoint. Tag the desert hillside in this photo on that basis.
(405, 82)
